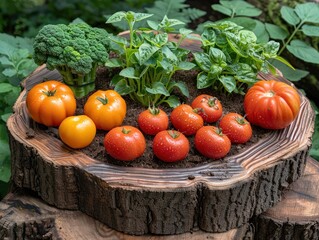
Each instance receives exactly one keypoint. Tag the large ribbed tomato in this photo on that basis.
(106, 108)
(50, 102)
(271, 104)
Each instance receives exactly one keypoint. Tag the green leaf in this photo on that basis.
(203, 81)
(289, 15)
(158, 88)
(153, 25)
(228, 82)
(9, 72)
(6, 116)
(4, 60)
(247, 23)
(276, 32)
(171, 57)
(173, 101)
(185, 66)
(141, 16)
(261, 33)
(123, 88)
(128, 73)
(145, 52)
(222, 9)
(185, 31)
(303, 51)
(182, 87)
(113, 63)
(284, 61)
(203, 61)
(310, 30)
(288, 72)
(241, 8)
(308, 12)
(6, 87)
(116, 17)
(119, 40)
(247, 36)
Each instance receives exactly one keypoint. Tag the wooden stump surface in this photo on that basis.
(214, 197)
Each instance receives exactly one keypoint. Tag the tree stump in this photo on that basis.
(297, 215)
(24, 216)
(214, 197)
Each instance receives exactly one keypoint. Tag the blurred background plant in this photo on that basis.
(291, 23)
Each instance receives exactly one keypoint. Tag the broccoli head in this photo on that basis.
(75, 50)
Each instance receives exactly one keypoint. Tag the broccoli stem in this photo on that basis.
(81, 84)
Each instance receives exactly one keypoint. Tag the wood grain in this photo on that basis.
(214, 197)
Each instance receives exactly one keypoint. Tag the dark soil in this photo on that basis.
(231, 103)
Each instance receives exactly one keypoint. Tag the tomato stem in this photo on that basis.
(125, 131)
(104, 100)
(154, 110)
(173, 134)
(50, 93)
(241, 120)
(219, 131)
(270, 93)
(212, 102)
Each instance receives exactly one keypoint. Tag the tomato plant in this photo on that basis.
(271, 104)
(186, 120)
(170, 146)
(106, 108)
(152, 121)
(211, 142)
(50, 102)
(77, 131)
(236, 127)
(208, 107)
(125, 143)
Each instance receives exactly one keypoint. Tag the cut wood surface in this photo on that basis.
(214, 197)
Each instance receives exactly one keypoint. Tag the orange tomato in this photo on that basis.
(50, 102)
(77, 131)
(106, 108)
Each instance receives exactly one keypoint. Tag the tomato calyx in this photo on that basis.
(154, 110)
(50, 93)
(125, 131)
(219, 131)
(173, 134)
(212, 102)
(270, 93)
(241, 120)
(104, 100)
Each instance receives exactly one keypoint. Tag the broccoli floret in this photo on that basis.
(75, 50)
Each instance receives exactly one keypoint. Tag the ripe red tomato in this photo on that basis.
(77, 131)
(236, 127)
(209, 107)
(271, 104)
(170, 146)
(211, 142)
(50, 102)
(152, 121)
(186, 120)
(125, 143)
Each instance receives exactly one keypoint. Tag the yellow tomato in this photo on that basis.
(106, 108)
(77, 131)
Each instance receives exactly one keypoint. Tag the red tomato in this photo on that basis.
(211, 142)
(50, 102)
(186, 120)
(125, 143)
(236, 127)
(152, 121)
(170, 146)
(208, 107)
(271, 104)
